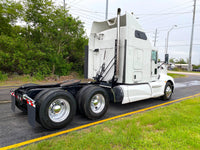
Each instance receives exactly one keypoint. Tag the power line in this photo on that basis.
(161, 14)
(171, 8)
(167, 11)
(84, 11)
(89, 19)
(178, 45)
(149, 14)
(90, 15)
(162, 18)
(75, 2)
(165, 29)
(98, 12)
(90, 11)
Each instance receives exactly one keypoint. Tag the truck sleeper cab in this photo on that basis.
(124, 67)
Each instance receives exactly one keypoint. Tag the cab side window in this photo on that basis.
(140, 35)
(154, 56)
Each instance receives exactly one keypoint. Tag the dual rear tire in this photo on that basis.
(56, 108)
(93, 101)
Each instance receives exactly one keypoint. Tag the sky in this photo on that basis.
(152, 14)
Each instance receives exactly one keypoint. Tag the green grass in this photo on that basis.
(176, 126)
(18, 80)
(173, 75)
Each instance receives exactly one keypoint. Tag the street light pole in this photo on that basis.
(167, 40)
(155, 38)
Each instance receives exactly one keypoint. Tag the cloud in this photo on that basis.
(86, 9)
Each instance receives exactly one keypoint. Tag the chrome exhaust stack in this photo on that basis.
(117, 49)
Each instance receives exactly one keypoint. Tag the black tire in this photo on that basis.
(38, 102)
(90, 109)
(22, 107)
(50, 99)
(79, 95)
(168, 91)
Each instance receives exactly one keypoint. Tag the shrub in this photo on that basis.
(3, 76)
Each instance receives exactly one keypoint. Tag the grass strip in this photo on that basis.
(173, 75)
(176, 126)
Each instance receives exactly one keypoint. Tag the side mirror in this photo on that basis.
(166, 58)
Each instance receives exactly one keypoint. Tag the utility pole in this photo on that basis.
(64, 4)
(191, 41)
(106, 15)
(155, 38)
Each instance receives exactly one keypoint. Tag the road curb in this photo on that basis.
(5, 101)
(185, 73)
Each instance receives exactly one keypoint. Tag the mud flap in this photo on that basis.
(31, 115)
(13, 103)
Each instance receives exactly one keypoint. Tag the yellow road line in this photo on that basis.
(91, 124)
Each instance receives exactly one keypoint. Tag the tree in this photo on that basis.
(171, 60)
(196, 66)
(180, 61)
(51, 42)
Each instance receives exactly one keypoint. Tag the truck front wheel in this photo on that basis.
(56, 109)
(168, 91)
(95, 102)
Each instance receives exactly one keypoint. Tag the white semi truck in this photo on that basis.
(124, 67)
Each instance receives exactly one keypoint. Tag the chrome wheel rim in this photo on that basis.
(97, 103)
(59, 110)
(168, 91)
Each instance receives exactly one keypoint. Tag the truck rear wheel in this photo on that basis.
(21, 107)
(56, 109)
(95, 102)
(168, 91)
(79, 95)
(37, 99)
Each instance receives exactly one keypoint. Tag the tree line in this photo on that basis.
(39, 38)
(182, 61)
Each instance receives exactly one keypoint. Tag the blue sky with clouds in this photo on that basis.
(152, 14)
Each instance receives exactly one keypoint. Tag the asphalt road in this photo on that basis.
(14, 127)
(4, 93)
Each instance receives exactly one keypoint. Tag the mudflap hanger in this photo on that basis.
(31, 107)
(12, 93)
